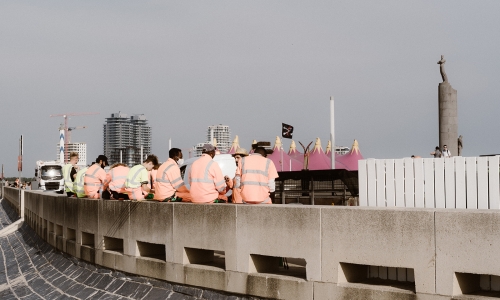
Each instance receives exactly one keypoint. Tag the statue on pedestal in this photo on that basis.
(441, 69)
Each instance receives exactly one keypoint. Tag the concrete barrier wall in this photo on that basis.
(13, 196)
(237, 248)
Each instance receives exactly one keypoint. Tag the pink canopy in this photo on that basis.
(318, 160)
(349, 161)
(234, 146)
(289, 164)
(295, 154)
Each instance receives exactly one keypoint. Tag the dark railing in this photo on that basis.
(324, 187)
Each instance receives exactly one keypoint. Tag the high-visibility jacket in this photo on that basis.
(206, 180)
(236, 198)
(115, 179)
(78, 183)
(137, 176)
(256, 171)
(93, 181)
(168, 180)
(68, 181)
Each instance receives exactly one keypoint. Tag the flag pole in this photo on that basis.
(332, 132)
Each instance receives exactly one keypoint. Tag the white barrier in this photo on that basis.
(456, 182)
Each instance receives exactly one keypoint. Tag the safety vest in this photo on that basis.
(78, 184)
(133, 180)
(118, 176)
(68, 182)
(93, 180)
(255, 179)
(168, 180)
(206, 180)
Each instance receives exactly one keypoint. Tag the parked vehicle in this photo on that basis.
(48, 176)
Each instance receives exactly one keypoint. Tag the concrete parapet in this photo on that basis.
(397, 238)
(467, 245)
(331, 251)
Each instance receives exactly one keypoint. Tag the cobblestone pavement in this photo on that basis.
(32, 269)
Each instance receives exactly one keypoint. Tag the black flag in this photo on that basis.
(286, 131)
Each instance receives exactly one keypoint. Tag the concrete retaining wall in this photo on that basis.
(237, 248)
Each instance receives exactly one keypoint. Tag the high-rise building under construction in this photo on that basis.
(125, 138)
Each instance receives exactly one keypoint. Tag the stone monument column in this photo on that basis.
(448, 113)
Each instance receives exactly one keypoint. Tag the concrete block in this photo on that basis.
(108, 259)
(332, 291)
(114, 222)
(467, 241)
(71, 248)
(205, 276)
(279, 287)
(71, 213)
(151, 267)
(280, 231)
(205, 226)
(125, 263)
(152, 223)
(175, 272)
(387, 237)
(88, 213)
(88, 254)
(49, 208)
(236, 282)
(60, 243)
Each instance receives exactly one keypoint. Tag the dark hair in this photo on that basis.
(174, 152)
(437, 147)
(261, 151)
(152, 158)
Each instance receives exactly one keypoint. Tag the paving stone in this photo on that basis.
(141, 291)
(74, 288)
(86, 293)
(178, 296)
(104, 283)
(156, 293)
(127, 289)
(21, 290)
(106, 296)
(195, 292)
(114, 286)
(83, 276)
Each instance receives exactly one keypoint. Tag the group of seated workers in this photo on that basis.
(252, 184)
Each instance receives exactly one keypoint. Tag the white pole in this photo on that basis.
(169, 144)
(212, 136)
(121, 157)
(282, 157)
(142, 156)
(332, 131)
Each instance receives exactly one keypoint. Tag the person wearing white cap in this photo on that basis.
(206, 179)
(236, 196)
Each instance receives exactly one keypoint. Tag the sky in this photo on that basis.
(251, 65)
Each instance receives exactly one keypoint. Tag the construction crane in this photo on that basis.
(65, 116)
(73, 128)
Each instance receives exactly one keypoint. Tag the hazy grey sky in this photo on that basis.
(250, 65)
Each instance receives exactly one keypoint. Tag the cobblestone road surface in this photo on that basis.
(32, 269)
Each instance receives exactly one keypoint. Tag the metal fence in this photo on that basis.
(324, 187)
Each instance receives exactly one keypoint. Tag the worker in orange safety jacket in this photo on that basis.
(114, 186)
(206, 179)
(95, 176)
(169, 185)
(236, 196)
(138, 178)
(255, 175)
